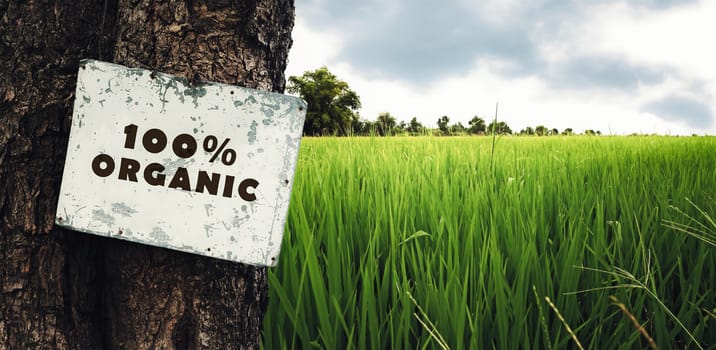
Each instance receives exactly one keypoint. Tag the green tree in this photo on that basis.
(527, 131)
(385, 124)
(414, 127)
(443, 124)
(362, 127)
(332, 104)
(568, 131)
(554, 132)
(499, 128)
(540, 130)
(402, 127)
(457, 128)
(477, 125)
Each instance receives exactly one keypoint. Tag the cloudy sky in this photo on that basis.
(644, 66)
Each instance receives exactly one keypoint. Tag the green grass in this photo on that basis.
(421, 242)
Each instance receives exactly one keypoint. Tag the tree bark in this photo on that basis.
(67, 290)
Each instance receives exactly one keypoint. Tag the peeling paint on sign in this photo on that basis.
(205, 169)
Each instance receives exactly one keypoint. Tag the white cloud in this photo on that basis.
(673, 41)
(311, 49)
(678, 38)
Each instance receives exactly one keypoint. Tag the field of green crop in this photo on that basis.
(552, 242)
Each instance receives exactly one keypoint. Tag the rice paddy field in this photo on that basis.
(530, 242)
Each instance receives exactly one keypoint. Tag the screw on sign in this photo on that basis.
(184, 146)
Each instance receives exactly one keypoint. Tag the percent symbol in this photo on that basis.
(211, 144)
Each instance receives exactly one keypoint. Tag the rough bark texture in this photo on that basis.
(46, 282)
(67, 290)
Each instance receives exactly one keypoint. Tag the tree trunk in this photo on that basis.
(67, 290)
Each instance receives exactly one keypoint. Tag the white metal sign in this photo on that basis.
(206, 169)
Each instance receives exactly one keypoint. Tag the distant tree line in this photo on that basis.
(333, 111)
